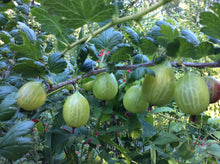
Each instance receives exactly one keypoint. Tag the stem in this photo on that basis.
(115, 21)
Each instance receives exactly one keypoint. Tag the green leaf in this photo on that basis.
(214, 150)
(108, 139)
(14, 145)
(176, 126)
(168, 34)
(56, 63)
(108, 39)
(49, 23)
(211, 21)
(148, 129)
(190, 37)
(29, 67)
(147, 46)
(76, 13)
(28, 31)
(217, 134)
(166, 138)
(7, 111)
(5, 37)
(139, 73)
(186, 151)
(121, 52)
(180, 47)
(83, 52)
(27, 49)
(6, 90)
(132, 35)
(204, 49)
(162, 109)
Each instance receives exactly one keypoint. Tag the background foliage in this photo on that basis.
(62, 43)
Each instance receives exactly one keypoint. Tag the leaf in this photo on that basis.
(166, 138)
(211, 21)
(29, 67)
(5, 37)
(49, 23)
(14, 145)
(83, 52)
(121, 52)
(132, 35)
(186, 151)
(75, 13)
(147, 46)
(27, 49)
(139, 73)
(162, 109)
(148, 129)
(94, 54)
(190, 37)
(216, 134)
(7, 111)
(108, 139)
(203, 49)
(168, 33)
(88, 65)
(6, 90)
(176, 126)
(108, 39)
(28, 31)
(214, 150)
(180, 47)
(56, 63)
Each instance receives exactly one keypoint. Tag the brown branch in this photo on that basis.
(131, 68)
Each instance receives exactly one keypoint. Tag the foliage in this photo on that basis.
(69, 42)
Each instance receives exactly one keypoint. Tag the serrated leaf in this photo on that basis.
(93, 52)
(132, 35)
(166, 138)
(27, 49)
(214, 150)
(168, 33)
(186, 151)
(162, 109)
(75, 13)
(49, 23)
(7, 111)
(147, 46)
(121, 52)
(14, 145)
(180, 47)
(29, 67)
(56, 63)
(176, 126)
(211, 21)
(148, 129)
(5, 37)
(108, 39)
(28, 31)
(82, 53)
(139, 73)
(217, 134)
(88, 65)
(203, 49)
(6, 90)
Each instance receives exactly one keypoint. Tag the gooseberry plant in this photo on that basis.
(80, 84)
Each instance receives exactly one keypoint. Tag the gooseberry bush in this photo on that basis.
(100, 81)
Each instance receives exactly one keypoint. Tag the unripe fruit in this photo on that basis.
(159, 90)
(213, 87)
(31, 96)
(191, 94)
(76, 110)
(134, 101)
(105, 86)
(88, 86)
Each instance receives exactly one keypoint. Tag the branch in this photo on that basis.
(131, 67)
(115, 21)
